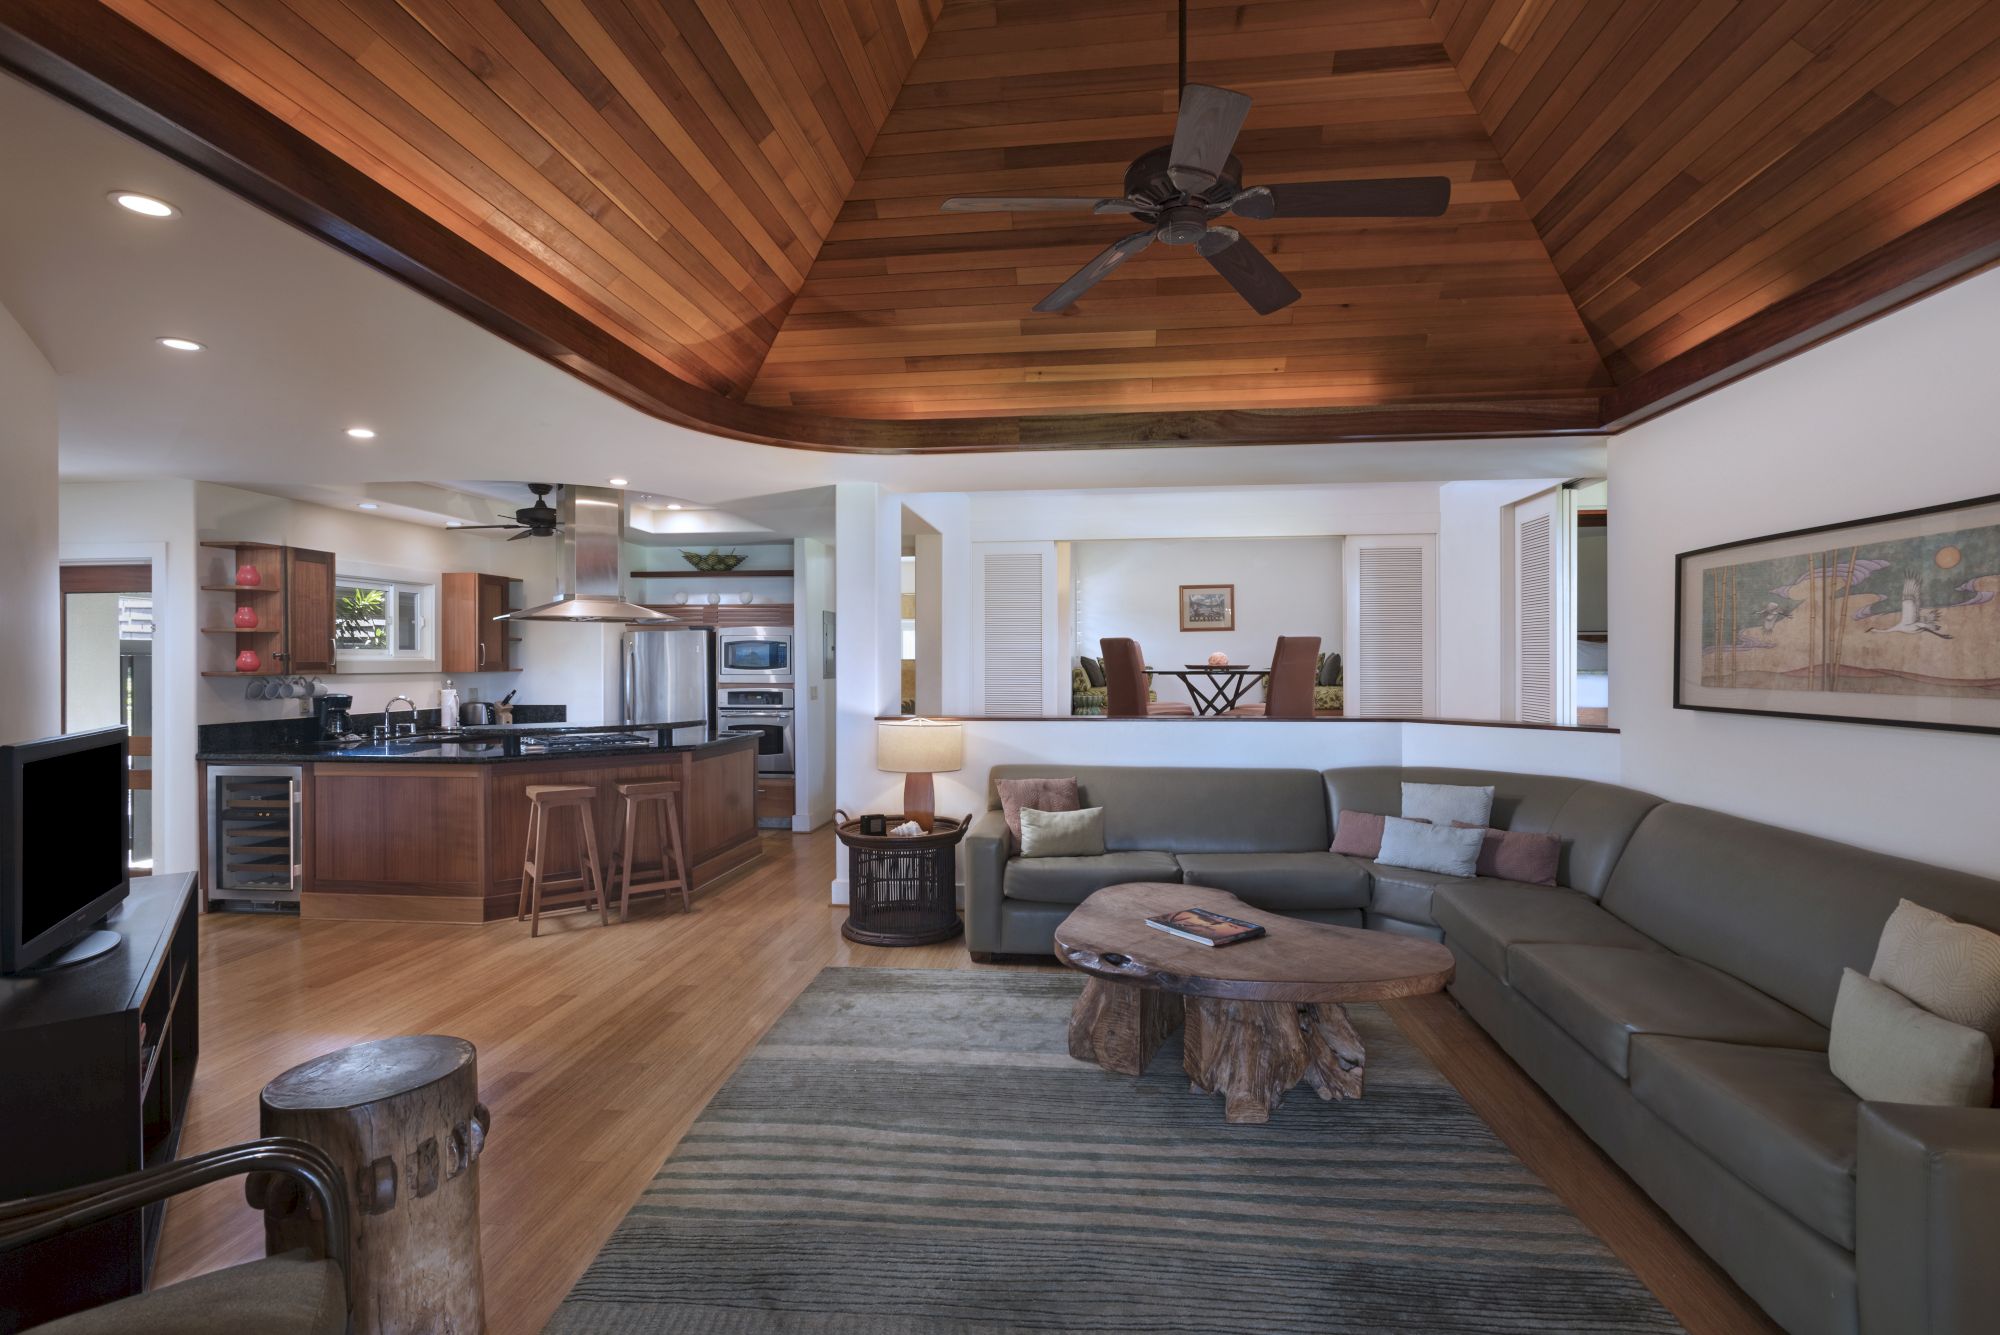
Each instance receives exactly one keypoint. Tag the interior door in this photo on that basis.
(1017, 658)
(309, 604)
(1391, 630)
(1544, 613)
(107, 673)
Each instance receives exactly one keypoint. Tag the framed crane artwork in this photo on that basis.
(1890, 620)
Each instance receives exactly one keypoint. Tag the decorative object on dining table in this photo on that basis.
(248, 661)
(712, 561)
(1218, 659)
(1889, 620)
(245, 618)
(917, 748)
(247, 576)
(745, 597)
(1208, 606)
(714, 600)
(902, 888)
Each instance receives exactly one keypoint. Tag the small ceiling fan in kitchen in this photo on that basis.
(538, 520)
(1180, 190)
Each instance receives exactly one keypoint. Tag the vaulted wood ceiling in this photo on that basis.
(744, 193)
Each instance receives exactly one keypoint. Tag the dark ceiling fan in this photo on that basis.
(538, 520)
(1180, 190)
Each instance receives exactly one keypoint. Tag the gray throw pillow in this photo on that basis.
(1888, 1049)
(1062, 834)
(1443, 804)
(1450, 850)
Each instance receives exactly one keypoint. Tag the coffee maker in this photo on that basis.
(330, 713)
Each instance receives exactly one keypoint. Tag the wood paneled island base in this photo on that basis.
(443, 843)
(1259, 1016)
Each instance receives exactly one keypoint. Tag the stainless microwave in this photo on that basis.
(752, 654)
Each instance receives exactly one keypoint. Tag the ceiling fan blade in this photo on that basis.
(1255, 278)
(467, 528)
(1085, 278)
(524, 533)
(1390, 197)
(1204, 134)
(1025, 203)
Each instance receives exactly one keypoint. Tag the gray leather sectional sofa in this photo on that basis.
(1672, 994)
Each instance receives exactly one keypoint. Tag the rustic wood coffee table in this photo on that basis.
(1259, 1016)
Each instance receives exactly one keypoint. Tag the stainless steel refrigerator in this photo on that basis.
(667, 678)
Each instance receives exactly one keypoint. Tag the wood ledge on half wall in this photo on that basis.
(108, 66)
(1245, 718)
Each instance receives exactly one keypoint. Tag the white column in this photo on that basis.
(30, 598)
(867, 541)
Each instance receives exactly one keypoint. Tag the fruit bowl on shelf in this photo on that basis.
(713, 562)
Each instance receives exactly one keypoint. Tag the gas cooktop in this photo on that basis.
(541, 743)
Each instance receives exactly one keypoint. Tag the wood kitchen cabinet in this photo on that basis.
(309, 606)
(292, 598)
(470, 640)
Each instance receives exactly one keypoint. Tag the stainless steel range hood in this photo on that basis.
(587, 588)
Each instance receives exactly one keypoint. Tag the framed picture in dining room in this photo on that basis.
(1208, 607)
(1894, 619)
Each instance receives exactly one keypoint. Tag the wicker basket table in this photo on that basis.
(902, 891)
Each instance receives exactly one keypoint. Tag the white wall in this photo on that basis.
(30, 598)
(1202, 512)
(1284, 586)
(813, 692)
(1896, 415)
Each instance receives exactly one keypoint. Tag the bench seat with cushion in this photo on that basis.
(1672, 993)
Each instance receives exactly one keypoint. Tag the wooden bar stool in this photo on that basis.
(665, 796)
(544, 799)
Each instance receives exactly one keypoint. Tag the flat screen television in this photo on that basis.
(63, 837)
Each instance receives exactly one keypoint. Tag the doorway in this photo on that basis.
(107, 674)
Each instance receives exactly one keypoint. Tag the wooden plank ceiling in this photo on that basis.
(909, 312)
(1690, 162)
(666, 168)
(746, 191)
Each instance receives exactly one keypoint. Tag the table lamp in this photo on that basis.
(917, 748)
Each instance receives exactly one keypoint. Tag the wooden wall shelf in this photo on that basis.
(714, 574)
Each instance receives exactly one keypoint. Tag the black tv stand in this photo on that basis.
(87, 947)
(98, 1057)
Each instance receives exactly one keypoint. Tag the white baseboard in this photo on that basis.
(840, 890)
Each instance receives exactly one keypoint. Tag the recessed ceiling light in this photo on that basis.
(369, 505)
(179, 344)
(617, 481)
(361, 432)
(454, 523)
(143, 204)
(673, 505)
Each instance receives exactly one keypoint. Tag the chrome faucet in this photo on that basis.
(384, 731)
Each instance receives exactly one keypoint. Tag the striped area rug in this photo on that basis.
(913, 1150)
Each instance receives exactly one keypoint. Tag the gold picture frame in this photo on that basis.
(1208, 606)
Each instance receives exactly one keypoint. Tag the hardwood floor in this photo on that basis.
(599, 1046)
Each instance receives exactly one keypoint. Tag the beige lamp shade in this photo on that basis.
(919, 746)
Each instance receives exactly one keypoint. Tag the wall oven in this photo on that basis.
(765, 711)
(752, 654)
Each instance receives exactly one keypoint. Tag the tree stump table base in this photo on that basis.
(1120, 1027)
(1253, 1053)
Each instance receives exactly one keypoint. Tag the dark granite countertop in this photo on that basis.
(484, 745)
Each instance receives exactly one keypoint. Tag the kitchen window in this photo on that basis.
(381, 619)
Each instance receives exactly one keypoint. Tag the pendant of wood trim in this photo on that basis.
(1120, 1026)
(1253, 1052)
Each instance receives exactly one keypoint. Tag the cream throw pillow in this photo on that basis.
(1062, 834)
(1888, 1049)
(1448, 803)
(1950, 968)
(1449, 850)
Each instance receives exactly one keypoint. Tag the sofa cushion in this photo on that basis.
(1071, 880)
(1888, 1049)
(1484, 918)
(1286, 882)
(1602, 995)
(1198, 810)
(1783, 911)
(1418, 845)
(1062, 834)
(1775, 1117)
(1448, 803)
(291, 1294)
(1040, 794)
(1405, 892)
(1593, 820)
(1950, 968)
(1520, 855)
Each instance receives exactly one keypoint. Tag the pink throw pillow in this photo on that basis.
(1519, 855)
(1035, 795)
(1359, 833)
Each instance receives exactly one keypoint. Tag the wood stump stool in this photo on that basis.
(402, 1119)
(545, 799)
(664, 797)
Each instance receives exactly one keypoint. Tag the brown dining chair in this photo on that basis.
(1288, 692)
(1125, 684)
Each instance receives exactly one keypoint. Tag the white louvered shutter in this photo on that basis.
(1544, 610)
(1391, 633)
(1015, 627)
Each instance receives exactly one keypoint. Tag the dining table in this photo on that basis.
(1214, 688)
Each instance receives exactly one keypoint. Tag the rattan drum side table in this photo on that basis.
(902, 890)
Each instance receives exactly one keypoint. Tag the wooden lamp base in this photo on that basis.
(919, 801)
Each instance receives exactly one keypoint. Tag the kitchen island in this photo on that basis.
(432, 828)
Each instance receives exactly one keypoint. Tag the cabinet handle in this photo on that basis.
(482, 653)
